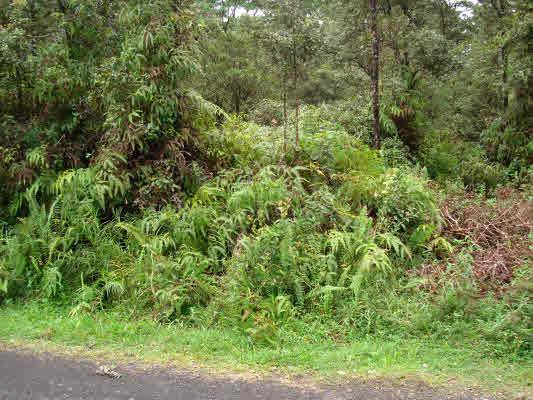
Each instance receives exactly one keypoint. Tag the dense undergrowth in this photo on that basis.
(327, 233)
(264, 211)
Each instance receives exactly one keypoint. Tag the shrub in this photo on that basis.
(267, 112)
(448, 158)
(400, 201)
(327, 231)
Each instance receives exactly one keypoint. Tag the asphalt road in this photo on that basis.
(27, 376)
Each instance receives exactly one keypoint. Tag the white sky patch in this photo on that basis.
(465, 10)
(240, 11)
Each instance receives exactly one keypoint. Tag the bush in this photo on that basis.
(269, 234)
(449, 158)
(267, 112)
(400, 201)
(325, 231)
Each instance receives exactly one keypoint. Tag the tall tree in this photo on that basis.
(376, 137)
(294, 35)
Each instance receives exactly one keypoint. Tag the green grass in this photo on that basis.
(111, 335)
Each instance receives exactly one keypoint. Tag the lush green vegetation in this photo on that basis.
(216, 165)
(111, 336)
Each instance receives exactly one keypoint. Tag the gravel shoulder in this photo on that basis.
(25, 375)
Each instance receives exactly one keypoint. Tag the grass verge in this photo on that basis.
(113, 335)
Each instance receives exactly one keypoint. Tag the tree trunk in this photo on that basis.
(237, 100)
(442, 10)
(375, 71)
(285, 116)
(295, 84)
(297, 123)
(504, 78)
